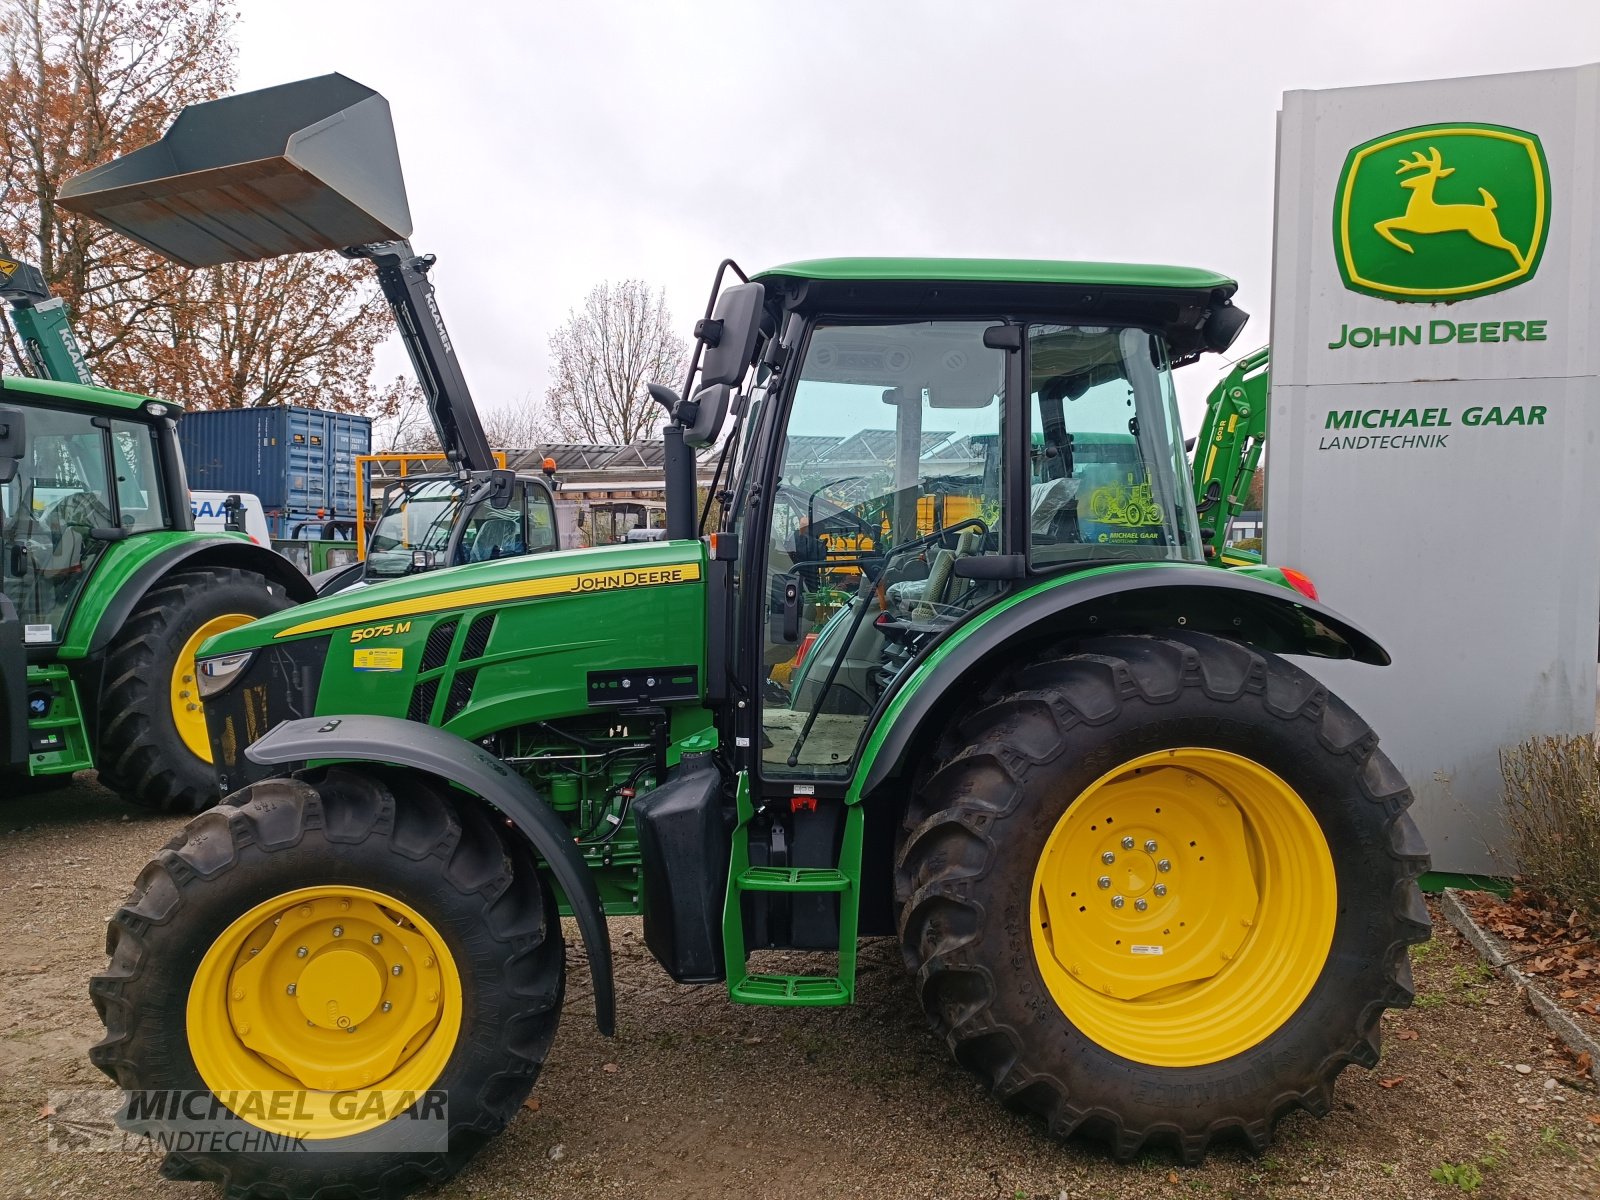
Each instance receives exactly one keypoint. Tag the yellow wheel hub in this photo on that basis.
(1183, 907)
(187, 713)
(345, 997)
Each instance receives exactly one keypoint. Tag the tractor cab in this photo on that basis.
(432, 521)
(74, 479)
(924, 467)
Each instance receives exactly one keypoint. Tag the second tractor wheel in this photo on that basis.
(153, 749)
(1161, 889)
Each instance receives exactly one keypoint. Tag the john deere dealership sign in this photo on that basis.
(1435, 414)
(1464, 213)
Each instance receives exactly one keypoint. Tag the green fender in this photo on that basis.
(1125, 598)
(130, 568)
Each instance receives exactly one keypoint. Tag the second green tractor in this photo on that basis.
(1150, 879)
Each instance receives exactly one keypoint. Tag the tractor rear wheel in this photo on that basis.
(1160, 889)
(153, 748)
(328, 957)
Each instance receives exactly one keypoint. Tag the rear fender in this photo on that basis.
(132, 567)
(454, 760)
(1121, 600)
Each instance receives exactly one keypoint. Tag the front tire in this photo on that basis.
(342, 938)
(1161, 889)
(153, 750)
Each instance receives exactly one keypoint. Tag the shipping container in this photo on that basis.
(301, 462)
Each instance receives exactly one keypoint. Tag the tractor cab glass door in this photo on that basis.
(60, 496)
(887, 479)
(525, 524)
(1109, 479)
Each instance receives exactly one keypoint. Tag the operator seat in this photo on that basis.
(498, 537)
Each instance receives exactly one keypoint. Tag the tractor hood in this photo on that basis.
(476, 585)
(472, 649)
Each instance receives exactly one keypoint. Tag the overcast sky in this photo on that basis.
(549, 146)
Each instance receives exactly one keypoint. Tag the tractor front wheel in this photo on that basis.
(1161, 889)
(349, 979)
(153, 748)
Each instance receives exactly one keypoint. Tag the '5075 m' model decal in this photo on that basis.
(367, 632)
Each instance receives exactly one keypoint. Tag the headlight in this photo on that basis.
(219, 674)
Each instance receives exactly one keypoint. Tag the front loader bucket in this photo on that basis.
(304, 166)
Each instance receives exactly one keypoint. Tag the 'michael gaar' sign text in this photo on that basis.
(1434, 435)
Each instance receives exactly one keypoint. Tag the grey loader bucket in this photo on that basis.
(305, 166)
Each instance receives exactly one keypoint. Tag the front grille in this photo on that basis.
(438, 647)
(280, 684)
(478, 636)
(460, 693)
(421, 707)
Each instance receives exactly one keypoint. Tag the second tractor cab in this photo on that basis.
(1151, 879)
(449, 520)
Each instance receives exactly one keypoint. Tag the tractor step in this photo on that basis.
(843, 880)
(793, 991)
(793, 879)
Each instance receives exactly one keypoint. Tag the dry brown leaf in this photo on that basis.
(46, 1112)
(1585, 1061)
(1567, 993)
(1593, 1118)
(531, 1104)
(1390, 1083)
(1172, 1177)
(611, 1068)
(1406, 1035)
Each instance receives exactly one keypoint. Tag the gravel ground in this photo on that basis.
(699, 1097)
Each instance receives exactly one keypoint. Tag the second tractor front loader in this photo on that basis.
(1151, 880)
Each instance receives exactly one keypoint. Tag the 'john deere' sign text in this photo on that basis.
(1442, 212)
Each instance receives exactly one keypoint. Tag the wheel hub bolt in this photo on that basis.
(301, 952)
(290, 989)
(377, 939)
(1141, 904)
(1104, 881)
(1150, 846)
(387, 1006)
(1160, 889)
(1164, 865)
(1108, 858)
(1127, 843)
(395, 970)
(338, 931)
(1117, 902)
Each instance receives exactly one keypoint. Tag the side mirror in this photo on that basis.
(711, 407)
(1225, 323)
(13, 442)
(503, 489)
(730, 334)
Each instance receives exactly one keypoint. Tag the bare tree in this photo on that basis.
(82, 81)
(404, 426)
(521, 427)
(603, 356)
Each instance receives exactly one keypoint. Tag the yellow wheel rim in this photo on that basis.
(187, 713)
(324, 1012)
(1183, 907)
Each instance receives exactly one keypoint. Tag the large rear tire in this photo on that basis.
(343, 938)
(153, 749)
(1160, 889)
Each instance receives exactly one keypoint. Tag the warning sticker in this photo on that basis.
(380, 658)
(1146, 949)
(38, 633)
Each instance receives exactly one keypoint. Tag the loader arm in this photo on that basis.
(1228, 449)
(43, 323)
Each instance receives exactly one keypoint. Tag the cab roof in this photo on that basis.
(1002, 270)
(86, 394)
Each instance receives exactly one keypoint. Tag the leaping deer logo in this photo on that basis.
(1424, 214)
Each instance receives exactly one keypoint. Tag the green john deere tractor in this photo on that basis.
(106, 590)
(1151, 879)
